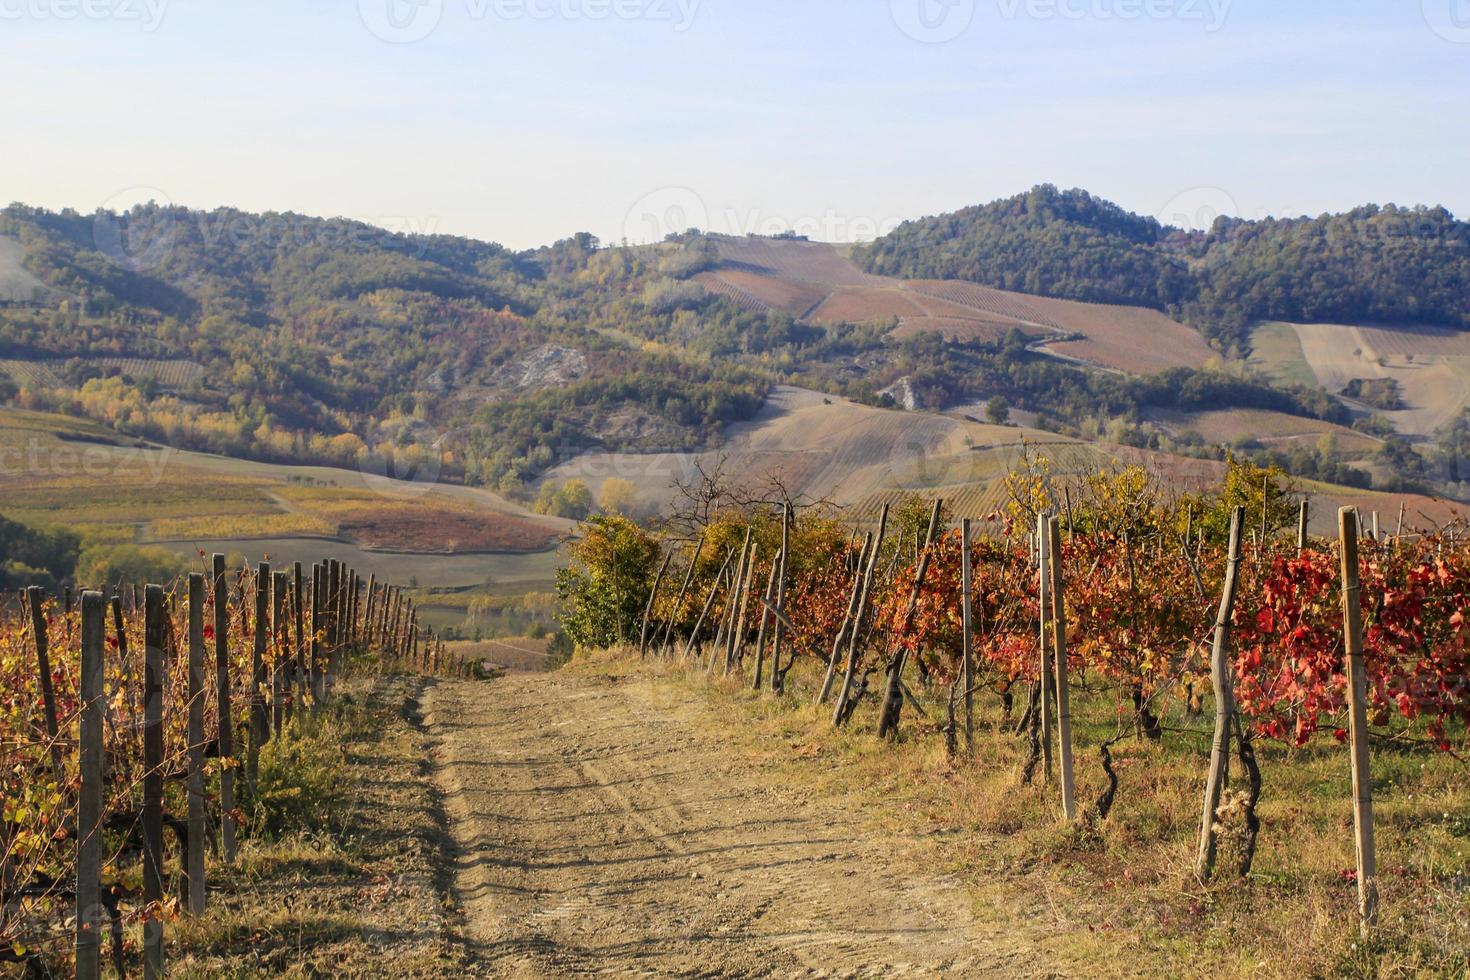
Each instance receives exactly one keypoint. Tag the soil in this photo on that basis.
(607, 824)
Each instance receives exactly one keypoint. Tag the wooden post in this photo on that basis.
(892, 708)
(1352, 610)
(648, 607)
(967, 648)
(840, 710)
(778, 678)
(194, 785)
(1059, 668)
(1043, 607)
(155, 633)
(737, 646)
(36, 596)
(769, 596)
(1220, 676)
(737, 592)
(368, 609)
(668, 638)
(316, 639)
(852, 601)
(258, 717)
(223, 706)
(280, 645)
(708, 602)
(298, 658)
(1301, 526)
(90, 913)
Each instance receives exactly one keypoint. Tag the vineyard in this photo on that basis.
(1210, 617)
(132, 731)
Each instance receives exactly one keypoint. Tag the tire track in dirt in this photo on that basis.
(597, 832)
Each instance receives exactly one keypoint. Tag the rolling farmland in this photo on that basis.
(61, 471)
(819, 282)
(1431, 367)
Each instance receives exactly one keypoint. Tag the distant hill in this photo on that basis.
(292, 339)
(1383, 264)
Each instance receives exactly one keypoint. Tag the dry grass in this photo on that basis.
(347, 880)
(1128, 879)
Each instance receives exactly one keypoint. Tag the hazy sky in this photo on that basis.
(523, 121)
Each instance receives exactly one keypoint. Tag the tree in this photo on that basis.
(998, 410)
(604, 588)
(617, 496)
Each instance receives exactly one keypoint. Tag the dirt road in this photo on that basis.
(600, 828)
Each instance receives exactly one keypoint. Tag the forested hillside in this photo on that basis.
(302, 340)
(1377, 264)
(297, 339)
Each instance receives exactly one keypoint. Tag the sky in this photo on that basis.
(524, 121)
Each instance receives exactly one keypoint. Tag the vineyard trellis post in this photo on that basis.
(658, 580)
(1220, 678)
(194, 784)
(1043, 604)
(732, 640)
(842, 628)
(778, 677)
(893, 695)
(154, 627)
(1059, 670)
(842, 710)
(1367, 861)
(223, 689)
(1301, 525)
(257, 674)
(89, 915)
(709, 601)
(737, 648)
(768, 596)
(316, 629)
(297, 680)
(967, 639)
(35, 597)
(280, 646)
(668, 636)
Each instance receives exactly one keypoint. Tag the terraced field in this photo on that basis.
(753, 291)
(792, 260)
(855, 304)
